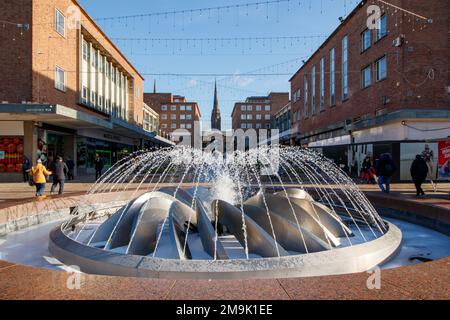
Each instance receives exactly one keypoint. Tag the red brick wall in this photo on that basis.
(406, 85)
(15, 52)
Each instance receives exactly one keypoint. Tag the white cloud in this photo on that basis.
(242, 81)
(192, 83)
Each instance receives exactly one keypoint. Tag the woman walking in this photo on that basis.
(419, 173)
(38, 174)
(367, 170)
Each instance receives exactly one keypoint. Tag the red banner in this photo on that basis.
(444, 159)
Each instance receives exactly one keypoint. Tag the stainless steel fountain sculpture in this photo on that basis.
(221, 218)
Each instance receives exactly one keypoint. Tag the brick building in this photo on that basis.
(257, 112)
(372, 91)
(174, 111)
(65, 89)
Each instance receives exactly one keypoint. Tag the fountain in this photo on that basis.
(264, 213)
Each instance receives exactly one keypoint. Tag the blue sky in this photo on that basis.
(286, 19)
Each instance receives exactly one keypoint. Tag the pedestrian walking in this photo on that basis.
(71, 166)
(26, 166)
(428, 156)
(59, 175)
(38, 174)
(419, 173)
(385, 170)
(98, 164)
(367, 170)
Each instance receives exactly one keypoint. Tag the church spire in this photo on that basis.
(216, 119)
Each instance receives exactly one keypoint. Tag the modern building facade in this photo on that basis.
(257, 112)
(368, 91)
(175, 112)
(282, 120)
(151, 120)
(65, 88)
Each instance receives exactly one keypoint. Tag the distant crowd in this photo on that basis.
(382, 170)
(57, 171)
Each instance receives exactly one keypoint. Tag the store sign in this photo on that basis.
(111, 137)
(444, 160)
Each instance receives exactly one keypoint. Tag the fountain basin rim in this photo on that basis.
(352, 259)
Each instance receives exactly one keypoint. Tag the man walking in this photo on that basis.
(98, 163)
(428, 156)
(71, 166)
(26, 166)
(60, 170)
(419, 172)
(385, 170)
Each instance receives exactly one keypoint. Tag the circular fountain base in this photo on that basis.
(353, 259)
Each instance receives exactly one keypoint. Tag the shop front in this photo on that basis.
(110, 151)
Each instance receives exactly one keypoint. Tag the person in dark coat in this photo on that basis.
(419, 173)
(98, 164)
(71, 166)
(385, 170)
(59, 175)
(26, 167)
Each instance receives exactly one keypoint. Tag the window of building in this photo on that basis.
(164, 126)
(84, 94)
(60, 79)
(258, 117)
(188, 126)
(243, 108)
(243, 117)
(381, 65)
(163, 108)
(345, 68)
(267, 107)
(188, 108)
(182, 117)
(60, 23)
(182, 126)
(381, 28)
(182, 108)
(306, 84)
(313, 90)
(332, 77)
(173, 126)
(366, 77)
(267, 116)
(243, 126)
(173, 108)
(173, 117)
(164, 116)
(297, 95)
(258, 108)
(189, 116)
(85, 50)
(249, 126)
(249, 108)
(137, 92)
(366, 40)
(322, 84)
(249, 117)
